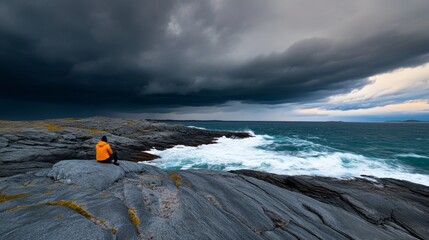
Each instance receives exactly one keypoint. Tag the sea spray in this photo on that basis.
(300, 153)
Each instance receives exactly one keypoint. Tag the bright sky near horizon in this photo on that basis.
(294, 60)
(409, 84)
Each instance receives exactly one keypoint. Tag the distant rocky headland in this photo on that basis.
(45, 197)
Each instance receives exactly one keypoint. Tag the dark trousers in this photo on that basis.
(113, 157)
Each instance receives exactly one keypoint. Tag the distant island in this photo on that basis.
(408, 121)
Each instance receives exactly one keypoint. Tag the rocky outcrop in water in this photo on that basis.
(27, 146)
(79, 199)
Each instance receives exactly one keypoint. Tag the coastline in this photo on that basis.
(32, 145)
(81, 199)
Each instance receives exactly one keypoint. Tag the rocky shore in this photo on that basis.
(82, 199)
(31, 145)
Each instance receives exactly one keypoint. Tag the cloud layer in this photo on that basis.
(388, 88)
(130, 54)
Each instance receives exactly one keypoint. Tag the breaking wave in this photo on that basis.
(282, 155)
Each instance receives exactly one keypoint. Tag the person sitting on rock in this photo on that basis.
(103, 152)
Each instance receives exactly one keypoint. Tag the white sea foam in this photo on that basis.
(254, 153)
(411, 155)
(197, 127)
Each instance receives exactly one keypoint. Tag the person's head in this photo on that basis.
(104, 138)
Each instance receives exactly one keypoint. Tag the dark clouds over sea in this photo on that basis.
(95, 56)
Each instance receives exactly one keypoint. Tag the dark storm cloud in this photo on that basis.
(322, 65)
(182, 53)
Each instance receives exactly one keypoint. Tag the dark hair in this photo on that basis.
(104, 138)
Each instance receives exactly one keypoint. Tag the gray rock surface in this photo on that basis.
(90, 174)
(138, 201)
(389, 203)
(32, 145)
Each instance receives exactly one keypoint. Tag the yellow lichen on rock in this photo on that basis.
(79, 209)
(17, 207)
(71, 119)
(132, 213)
(94, 131)
(71, 205)
(4, 198)
(91, 131)
(54, 128)
(176, 178)
(74, 206)
(37, 124)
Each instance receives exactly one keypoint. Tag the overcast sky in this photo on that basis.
(310, 60)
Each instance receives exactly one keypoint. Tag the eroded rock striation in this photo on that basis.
(31, 145)
(394, 205)
(80, 199)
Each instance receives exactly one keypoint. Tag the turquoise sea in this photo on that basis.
(335, 149)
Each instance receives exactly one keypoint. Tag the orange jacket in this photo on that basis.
(102, 151)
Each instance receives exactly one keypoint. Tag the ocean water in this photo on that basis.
(334, 149)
